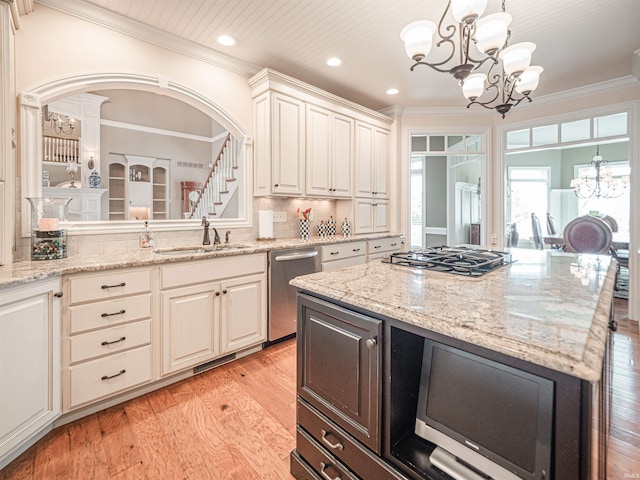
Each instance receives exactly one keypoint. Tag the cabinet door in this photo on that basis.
(339, 367)
(363, 216)
(318, 151)
(29, 363)
(244, 312)
(364, 160)
(380, 216)
(381, 161)
(287, 149)
(342, 161)
(190, 322)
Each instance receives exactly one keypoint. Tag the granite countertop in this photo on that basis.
(27, 271)
(548, 308)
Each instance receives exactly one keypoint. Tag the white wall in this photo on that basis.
(52, 45)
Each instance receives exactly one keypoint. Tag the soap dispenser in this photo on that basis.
(146, 239)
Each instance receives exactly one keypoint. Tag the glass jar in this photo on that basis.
(48, 228)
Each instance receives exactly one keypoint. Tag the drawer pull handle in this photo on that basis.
(121, 312)
(394, 244)
(356, 249)
(109, 377)
(58, 294)
(104, 287)
(334, 253)
(121, 339)
(334, 446)
(377, 246)
(323, 466)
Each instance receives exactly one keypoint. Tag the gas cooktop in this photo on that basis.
(459, 260)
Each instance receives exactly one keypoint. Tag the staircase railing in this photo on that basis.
(210, 201)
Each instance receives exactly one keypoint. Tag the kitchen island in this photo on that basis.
(547, 314)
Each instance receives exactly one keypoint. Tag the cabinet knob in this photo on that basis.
(224, 291)
(58, 294)
(276, 185)
(371, 343)
(217, 294)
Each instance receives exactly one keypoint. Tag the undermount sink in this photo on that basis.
(197, 250)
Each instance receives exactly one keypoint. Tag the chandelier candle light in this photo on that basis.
(604, 185)
(489, 36)
(60, 124)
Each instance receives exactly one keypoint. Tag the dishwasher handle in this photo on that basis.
(296, 256)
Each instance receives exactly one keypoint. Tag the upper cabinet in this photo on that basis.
(307, 141)
(372, 161)
(330, 148)
(279, 142)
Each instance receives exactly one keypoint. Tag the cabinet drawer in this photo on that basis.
(319, 459)
(384, 245)
(109, 340)
(340, 444)
(103, 286)
(343, 262)
(342, 250)
(89, 380)
(216, 269)
(300, 469)
(106, 314)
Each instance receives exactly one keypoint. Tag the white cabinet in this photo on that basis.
(329, 159)
(244, 307)
(279, 145)
(381, 247)
(107, 335)
(372, 158)
(29, 364)
(369, 215)
(190, 325)
(211, 308)
(341, 255)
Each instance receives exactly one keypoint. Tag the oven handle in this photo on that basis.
(296, 256)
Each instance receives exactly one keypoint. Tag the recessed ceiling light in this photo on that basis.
(226, 40)
(392, 91)
(334, 62)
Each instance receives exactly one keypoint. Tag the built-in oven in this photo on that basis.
(284, 265)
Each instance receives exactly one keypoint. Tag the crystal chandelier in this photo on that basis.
(603, 185)
(514, 79)
(60, 124)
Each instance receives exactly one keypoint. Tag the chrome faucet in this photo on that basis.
(206, 240)
(226, 236)
(216, 237)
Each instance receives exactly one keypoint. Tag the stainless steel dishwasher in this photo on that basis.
(285, 265)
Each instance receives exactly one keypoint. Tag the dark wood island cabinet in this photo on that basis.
(359, 368)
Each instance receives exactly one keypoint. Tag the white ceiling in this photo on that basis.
(579, 42)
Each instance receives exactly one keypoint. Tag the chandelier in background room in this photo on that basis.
(603, 185)
(508, 78)
(60, 124)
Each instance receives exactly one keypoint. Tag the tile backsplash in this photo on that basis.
(106, 244)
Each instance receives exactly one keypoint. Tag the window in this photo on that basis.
(527, 193)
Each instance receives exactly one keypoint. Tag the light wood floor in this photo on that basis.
(238, 422)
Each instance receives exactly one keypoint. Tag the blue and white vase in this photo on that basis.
(94, 180)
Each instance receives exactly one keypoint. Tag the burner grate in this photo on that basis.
(458, 260)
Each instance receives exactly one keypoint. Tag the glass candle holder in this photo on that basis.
(48, 228)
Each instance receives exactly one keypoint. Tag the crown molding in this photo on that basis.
(132, 28)
(268, 79)
(588, 90)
